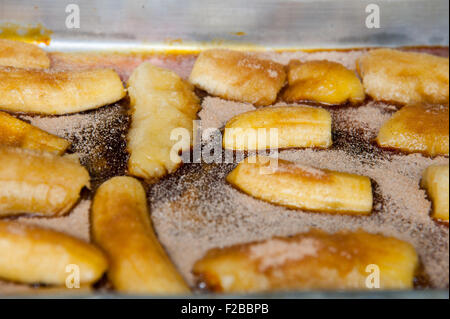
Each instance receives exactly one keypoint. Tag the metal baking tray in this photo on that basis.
(159, 25)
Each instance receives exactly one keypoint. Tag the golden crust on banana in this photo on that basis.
(417, 128)
(324, 82)
(238, 76)
(435, 180)
(292, 185)
(122, 227)
(312, 260)
(279, 127)
(161, 104)
(50, 92)
(22, 55)
(404, 77)
(33, 255)
(17, 133)
(38, 182)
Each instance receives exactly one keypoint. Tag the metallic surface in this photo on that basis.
(137, 25)
(283, 24)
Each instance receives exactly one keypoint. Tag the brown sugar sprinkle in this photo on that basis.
(194, 209)
(216, 112)
(97, 137)
(204, 212)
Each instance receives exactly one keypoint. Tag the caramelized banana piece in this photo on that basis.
(324, 82)
(417, 128)
(39, 182)
(160, 103)
(404, 77)
(50, 92)
(238, 76)
(313, 260)
(17, 133)
(122, 227)
(279, 127)
(22, 55)
(435, 180)
(296, 186)
(33, 255)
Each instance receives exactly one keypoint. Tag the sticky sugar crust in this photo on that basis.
(297, 126)
(238, 76)
(322, 81)
(122, 228)
(17, 133)
(38, 182)
(404, 77)
(311, 261)
(58, 92)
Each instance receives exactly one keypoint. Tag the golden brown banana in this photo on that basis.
(279, 127)
(22, 55)
(324, 82)
(121, 226)
(161, 103)
(17, 133)
(297, 186)
(313, 260)
(404, 77)
(417, 128)
(38, 182)
(435, 180)
(33, 255)
(238, 76)
(50, 92)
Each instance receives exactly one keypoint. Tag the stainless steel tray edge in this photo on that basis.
(144, 25)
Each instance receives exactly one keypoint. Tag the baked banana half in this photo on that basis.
(37, 182)
(279, 127)
(311, 261)
(238, 76)
(22, 55)
(404, 77)
(161, 104)
(417, 128)
(435, 180)
(121, 226)
(58, 92)
(324, 82)
(293, 185)
(33, 255)
(17, 133)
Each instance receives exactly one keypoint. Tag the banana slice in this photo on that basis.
(22, 55)
(122, 227)
(435, 180)
(39, 182)
(404, 77)
(17, 133)
(238, 76)
(49, 92)
(161, 104)
(417, 128)
(296, 186)
(33, 255)
(279, 127)
(313, 260)
(324, 82)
